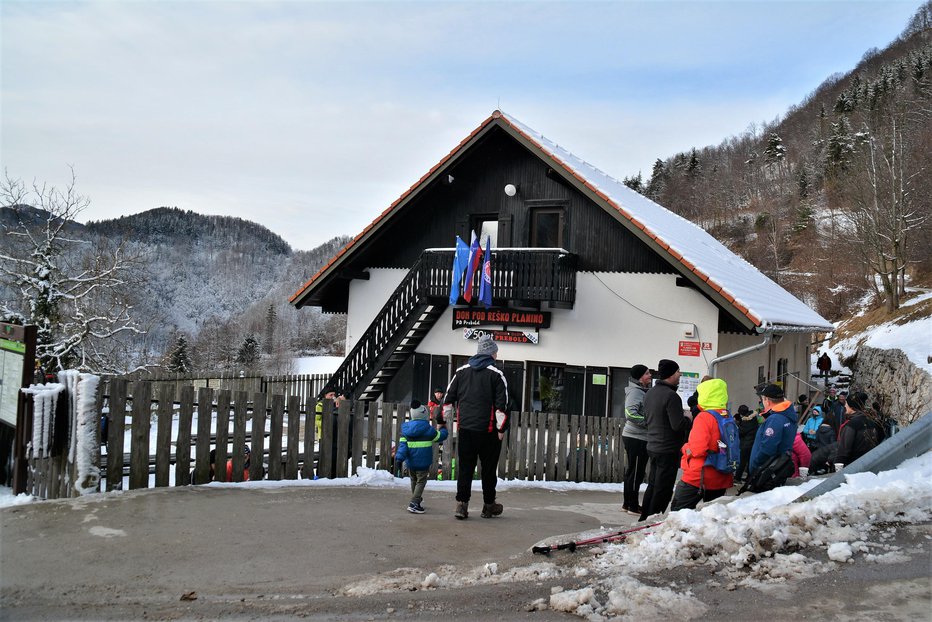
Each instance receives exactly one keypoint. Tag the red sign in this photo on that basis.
(706, 345)
(690, 348)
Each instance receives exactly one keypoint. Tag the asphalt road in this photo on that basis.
(204, 553)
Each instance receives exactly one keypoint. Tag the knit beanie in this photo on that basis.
(637, 371)
(713, 394)
(418, 411)
(857, 400)
(486, 345)
(666, 368)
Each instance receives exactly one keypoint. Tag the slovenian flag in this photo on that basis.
(460, 261)
(475, 255)
(485, 282)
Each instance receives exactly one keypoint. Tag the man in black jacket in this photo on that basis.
(667, 429)
(480, 393)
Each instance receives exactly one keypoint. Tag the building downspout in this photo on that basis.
(733, 355)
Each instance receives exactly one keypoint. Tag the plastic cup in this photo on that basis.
(839, 466)
(804, 472)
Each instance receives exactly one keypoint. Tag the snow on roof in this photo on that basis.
(750, 291)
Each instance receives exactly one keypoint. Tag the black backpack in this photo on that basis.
(772, 473)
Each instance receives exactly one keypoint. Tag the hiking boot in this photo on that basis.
(462, 510)
(492, 509)
(415, 508)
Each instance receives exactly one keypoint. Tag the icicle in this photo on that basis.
(44, 399)
(69, 378)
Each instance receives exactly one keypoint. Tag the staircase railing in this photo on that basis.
(517, 275)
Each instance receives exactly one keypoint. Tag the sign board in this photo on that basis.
(688, 382)
(690, 348)
(599, 379)
(469, 316)
(13, 369)
(505, 336)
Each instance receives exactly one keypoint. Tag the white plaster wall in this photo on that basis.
(366, 299)
(741, 373)
(619, 320)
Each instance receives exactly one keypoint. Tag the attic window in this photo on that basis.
(546, 227)
(486, 226)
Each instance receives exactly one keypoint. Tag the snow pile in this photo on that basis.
(912, 338)
(756, 541)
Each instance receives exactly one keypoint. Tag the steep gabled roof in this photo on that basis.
(716, 270)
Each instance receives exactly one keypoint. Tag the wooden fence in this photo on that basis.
(163, 441)
(305, 386)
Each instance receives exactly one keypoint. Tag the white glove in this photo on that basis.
(500, 417)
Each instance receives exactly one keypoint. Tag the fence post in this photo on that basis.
(163, 441)
(223, 434)
(258, 437)
(139, 445)
(115, 430)
(183, 444)
(294, 420)
(205, 398)
(276, 422)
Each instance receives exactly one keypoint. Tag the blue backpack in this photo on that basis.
(728, 456)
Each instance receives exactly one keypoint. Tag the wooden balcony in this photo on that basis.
(520, 276)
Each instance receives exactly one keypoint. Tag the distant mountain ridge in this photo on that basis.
(171, 223)
(200, 271)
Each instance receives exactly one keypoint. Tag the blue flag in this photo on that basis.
(485, 282)
(475, 255)
(460, 261)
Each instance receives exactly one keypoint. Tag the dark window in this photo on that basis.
(546, 227)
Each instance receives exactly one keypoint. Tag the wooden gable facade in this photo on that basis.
(402, 346)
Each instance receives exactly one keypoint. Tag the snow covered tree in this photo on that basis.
(179, 361)
(248, 353)
(76, 291)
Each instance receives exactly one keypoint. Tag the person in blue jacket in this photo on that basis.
(776, 434)
(811, 427)
(416, 448)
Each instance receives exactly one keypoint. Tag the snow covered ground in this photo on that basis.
(758, 541)
(317, 364)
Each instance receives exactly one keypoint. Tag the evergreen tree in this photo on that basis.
(658, 179)
(179, 361)
(271, 318)
(248, 353)
(775, 151)
(635, 183)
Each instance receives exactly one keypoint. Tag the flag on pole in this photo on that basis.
(475, 255)
(485, 282)
(460, 261)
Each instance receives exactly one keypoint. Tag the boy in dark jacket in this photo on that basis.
(416, 448)
(860, 433)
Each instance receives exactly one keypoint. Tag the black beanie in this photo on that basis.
(666, 368)
(857, 400)
(637, 371)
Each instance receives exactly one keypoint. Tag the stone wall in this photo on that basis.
(890, 378)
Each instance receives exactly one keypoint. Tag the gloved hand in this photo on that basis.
(440, 420)
(445, 414)
(500, 417)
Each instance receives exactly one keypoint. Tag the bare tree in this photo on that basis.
(885, 206)
(74, 290)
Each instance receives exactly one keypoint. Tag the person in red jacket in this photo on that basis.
(699, 481)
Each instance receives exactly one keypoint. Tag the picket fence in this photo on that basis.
(539, 446)
(160, 434)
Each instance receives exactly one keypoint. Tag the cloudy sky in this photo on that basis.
(312, 117)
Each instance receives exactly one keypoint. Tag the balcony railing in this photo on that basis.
(521, 275)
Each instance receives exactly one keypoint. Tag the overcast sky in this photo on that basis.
(312, 117)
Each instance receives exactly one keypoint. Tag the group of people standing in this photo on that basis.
(659, 431)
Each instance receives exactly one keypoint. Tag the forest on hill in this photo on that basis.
(833, 199)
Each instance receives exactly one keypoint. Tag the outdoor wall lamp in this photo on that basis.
(511, 189)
